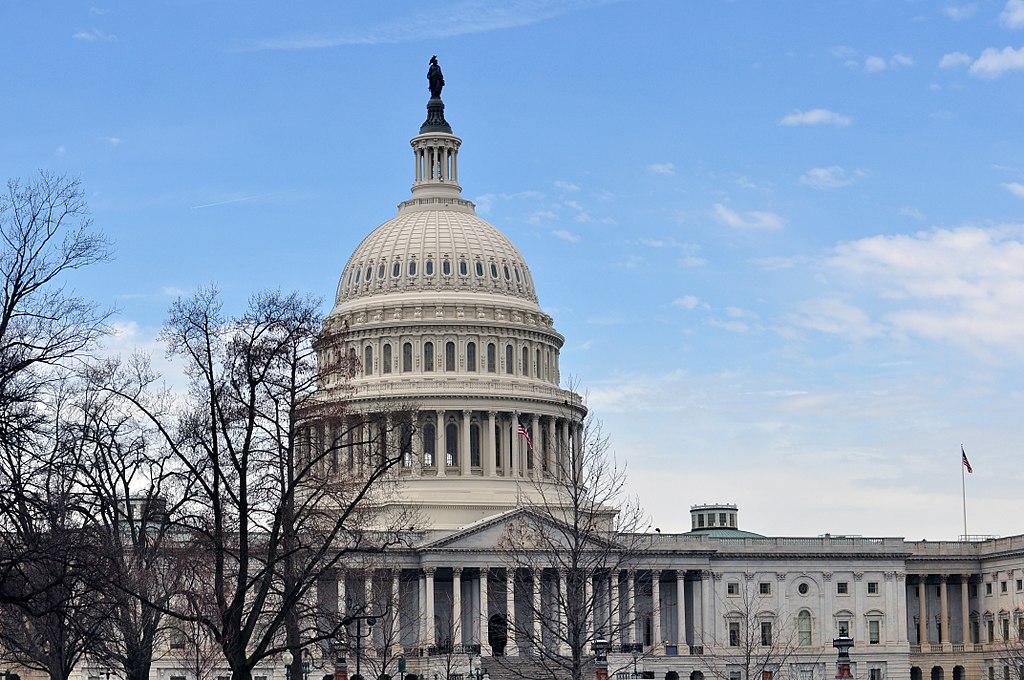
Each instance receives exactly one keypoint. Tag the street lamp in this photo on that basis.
(370, 621)
(600, 657)
(475, 672)
(636, 655)
(843, 644)
(287, 658)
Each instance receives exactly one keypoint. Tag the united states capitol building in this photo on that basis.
(438, 308)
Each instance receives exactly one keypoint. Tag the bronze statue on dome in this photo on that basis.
(435, 78)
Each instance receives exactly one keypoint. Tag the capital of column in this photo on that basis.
(943, 578)
(429, 571)
(457, 572)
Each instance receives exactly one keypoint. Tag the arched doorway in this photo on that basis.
(671, 675)
(915, 673)
(938, 673)
(958, 673)
(497, 634)
(696, 675)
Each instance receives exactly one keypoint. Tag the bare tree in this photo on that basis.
(274, 506)
(579, 527)
(760, 641)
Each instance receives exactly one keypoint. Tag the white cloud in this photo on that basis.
(540, 216)
(954, 59)
(1012, 15)
(912, 212)
(662, 168)
(816, 117)
(689, 302)
(94, 35)
(566, 236)
(98, 11)
(60, 150)
(993, 63)
(874, 64)
(964, 286)
(755, 219)
(901, 59)
(112, 141)
(836, 317)
(1015, 188)
(960, 12)
(738, 313)
(566, 186)
(733, 326)
(832, 177)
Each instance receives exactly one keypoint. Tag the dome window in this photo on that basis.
(518, 280)
(429, 267)
(396, 271)
(412, 267)
(479, 269)
(494, 271)
(507, 275)
(358, 272)
(369, 273)
(380, 271)
(446, 267)
(463, 268)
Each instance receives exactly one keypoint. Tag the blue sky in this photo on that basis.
(784, 241)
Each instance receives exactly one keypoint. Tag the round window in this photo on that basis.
(803, 588)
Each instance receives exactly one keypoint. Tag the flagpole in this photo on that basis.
(963, 488)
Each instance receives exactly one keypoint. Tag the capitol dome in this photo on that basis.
(436, 312)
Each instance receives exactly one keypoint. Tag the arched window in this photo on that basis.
(507, 275)
(803, 625)
(470, 356)
(429, 440)
(508, 359)
(491, 358)
(536, 366)
(386, 358)
(463, 268)
(358, 272)
(428, 356)
(406, 357)
(474, 445)
(369, 272)
(381, 270)
(479, 268)
(412, 267)
(449, 356)
(429, 267)
(525, 369)
(368, 361)
(396, 270)
(353, 363)
(494, 271)
(446, 267)
(451, 444)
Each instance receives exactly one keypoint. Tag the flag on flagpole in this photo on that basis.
(967, 463)
(526, 433)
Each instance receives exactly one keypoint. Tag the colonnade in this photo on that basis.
(943, 636)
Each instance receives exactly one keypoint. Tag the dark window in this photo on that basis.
(766, 633)
(386, 358)
(428, 356)
(429, 267)
(525, 370)
(463, 268)
(449, 356)
(734, 634)
(474, 445)
(369, 273)
(380, 271)
(368, 361)
(765, 588)
(479, 268)
(507, 275)
(412, 267)
(872, 587)
(396, 269)
(508, 359)
(874, 632)
(494, 271)
(491, 358)
(517, 275)
(471, 356)
(731, 588)
(429, 440)
(446, 268)
(358, 272)
(406, 357)
(843, 588)
(451, 444)
(536, 366)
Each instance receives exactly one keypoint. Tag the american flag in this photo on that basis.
(523, 431)
(967, 463)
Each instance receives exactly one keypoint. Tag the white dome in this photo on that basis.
(432, 246)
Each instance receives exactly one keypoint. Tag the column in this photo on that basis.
(563, 457)
(681, 612)
(634, 620)
(464, 457)
(965, 608)
(456, 605)
(943, 610)
(549, 446)
(342, 602)
(369, 649)
(396, 607)
(589, 611)
(561, 610)
(707, 636)
(901, 606)
(514, 442)
(429, 602)
(538, 639)
(655, 609)
(538, 453)
(487, 447)
(510, 612)
(615, 635)
(440, 455)
(485, 623)
(922, 623)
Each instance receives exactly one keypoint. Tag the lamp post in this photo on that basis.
(370, 621)
(600, 658)
(475, 672)
(288, 658)
(843, 644)
(636, 655)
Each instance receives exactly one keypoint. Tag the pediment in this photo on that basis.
(509, 531)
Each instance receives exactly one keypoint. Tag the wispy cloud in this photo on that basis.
(662, 168)
(60, 150)
(816, 117)
(239, 199)
(566, 236)
(689, 302)
(98, 11)
(567, 187)
(1012, 15)
(954, 59)
(832, 177)
(94, 35)
(436, 22)
(752, 220)
(960, 12)
(112, 141)
(912, 212)
(1015, 188)
(993, 63)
